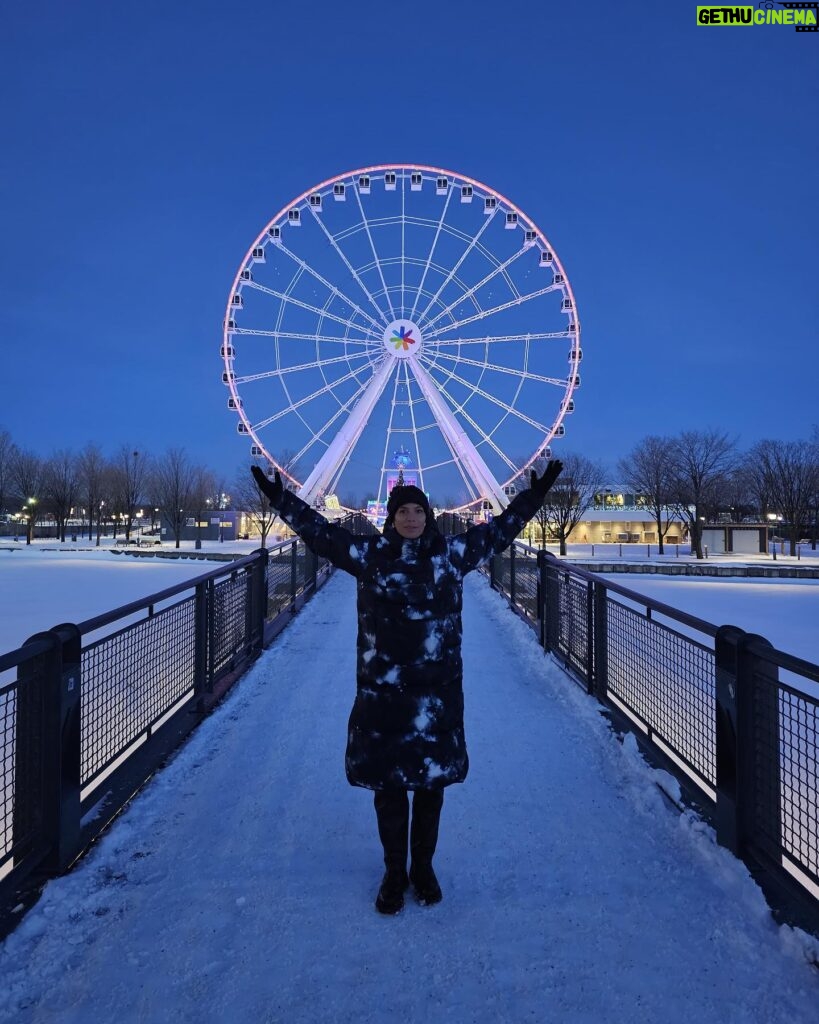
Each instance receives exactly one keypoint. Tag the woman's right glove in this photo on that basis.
(273, 489)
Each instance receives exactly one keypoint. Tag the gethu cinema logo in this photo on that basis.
(797, 15)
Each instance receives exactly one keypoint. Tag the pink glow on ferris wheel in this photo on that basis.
(400, 340)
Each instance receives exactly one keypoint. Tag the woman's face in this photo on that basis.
(410, 521)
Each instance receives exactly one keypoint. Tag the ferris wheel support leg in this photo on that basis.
(346, 439)
(460, 444)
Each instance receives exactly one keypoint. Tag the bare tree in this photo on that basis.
(701, 461)
(8, 453)
(172, 482)
(26, 486)
(253, 503)
(738, 495)
(131, 470)
(90, 475)
(814, 529)
(791, 473)
(61, 487)
(647, 469)
(571, 496)
(203, 487)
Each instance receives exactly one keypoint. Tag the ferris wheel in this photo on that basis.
(402, 317)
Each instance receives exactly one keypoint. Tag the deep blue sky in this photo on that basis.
(673, 167)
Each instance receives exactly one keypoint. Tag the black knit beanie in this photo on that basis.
(406, 494)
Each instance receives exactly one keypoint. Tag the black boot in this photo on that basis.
(392, 811)
(426, 813)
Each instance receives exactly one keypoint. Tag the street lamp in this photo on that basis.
(29, 510)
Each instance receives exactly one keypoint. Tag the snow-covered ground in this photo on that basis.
(48, 583)
(785, 612)
(239, 885)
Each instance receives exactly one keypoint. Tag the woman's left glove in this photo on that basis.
(540, 486)
(273, 489)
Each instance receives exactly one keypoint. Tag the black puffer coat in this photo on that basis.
(406, 728)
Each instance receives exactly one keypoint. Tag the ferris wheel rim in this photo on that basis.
(458, 177)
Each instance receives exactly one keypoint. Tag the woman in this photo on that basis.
(406, 730)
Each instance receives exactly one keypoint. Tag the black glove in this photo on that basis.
(541, 486)
(273, 489)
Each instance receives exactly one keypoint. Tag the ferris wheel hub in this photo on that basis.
(403, 339)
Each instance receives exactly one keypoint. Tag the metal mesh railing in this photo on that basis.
(667, 681)
(131, 679)
(527, 586)
(573, 623)
(785, 766)
(89, 697)
(708, 700)
(229, 601)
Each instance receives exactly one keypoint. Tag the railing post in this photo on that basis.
(731, 732)
(493, 571)
(66, 825)
(552, 607)
(36, 794)
(294, 572)
(541, 595)
(258, 601)
(601, 640)
(759, 780)
(590, 637)
(512, 575)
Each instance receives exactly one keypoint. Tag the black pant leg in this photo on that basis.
(392, 812)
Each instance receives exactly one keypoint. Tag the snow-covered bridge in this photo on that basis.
(239, 885)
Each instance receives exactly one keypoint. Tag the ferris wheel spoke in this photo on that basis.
(500, 269)
(318, 393)
(335, 292)
(449, 194)
(487, 438)
(369, 343)
(375, 254)
(347, 438)
(342, 256)
(283, 297)
(495, 401)
(474, 242)
(455, 435)
(494, 309)
(315, 365)
(415, 437)
(390, 430)
(492, 338)
(317, 435)
(525, 374)
(403, 237)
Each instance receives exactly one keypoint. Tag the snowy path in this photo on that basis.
(239, 886)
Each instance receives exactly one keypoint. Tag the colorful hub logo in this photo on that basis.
(402, 338)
